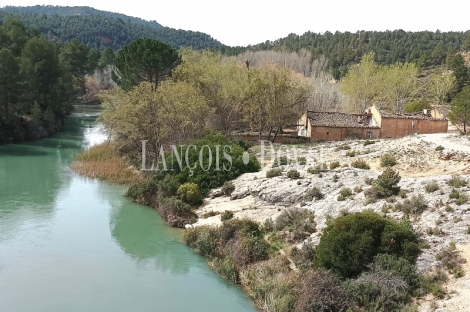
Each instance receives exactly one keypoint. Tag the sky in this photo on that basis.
(244, 22)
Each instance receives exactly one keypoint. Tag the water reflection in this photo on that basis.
(143, 236)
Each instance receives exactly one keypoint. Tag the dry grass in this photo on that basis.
(104, 162)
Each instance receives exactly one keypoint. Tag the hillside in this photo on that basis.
(101, 30)
(50, 10)
(425, 48)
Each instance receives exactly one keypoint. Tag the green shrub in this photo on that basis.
(360, 164)
(414, 206)
(416, 106)
(452, 260)
(369, 181)
(302, 161)
(274, 173)
(189, 193)
(388, 160)
(343, 147)
(299, 221)
(303, 257)
(176, 212)
(385, 185)
(454, 194)
(344, 193)
(368, 142)
(168, 186)
(203, 239)
(358, 189)
(314, 192)
(334, 165)
(463, 198)
(226, 215)
(293, 174)
(457, 181)
(439, 148)
(210, 214)
(352, 154)
(431, 186)
(350, 243)
(225, 268)
(268, 226)
(280, 161)
(228, 188)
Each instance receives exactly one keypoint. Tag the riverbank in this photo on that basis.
(26, 129)
(255, 197)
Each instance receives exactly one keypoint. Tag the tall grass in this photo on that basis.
(104, 162)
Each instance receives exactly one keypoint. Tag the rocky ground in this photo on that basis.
(444, 221)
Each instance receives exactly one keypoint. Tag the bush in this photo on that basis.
(416, 106)
(439, 148)
(454, 194)
(360, 164)
(414, 206)
(168, 186)
(456, 181)
(293, 174)
(334, 165)
(225, 268)
(175, 212)
(274, 173)
(350, 243)
(299, 221)
(320, 291)
(303, 257)
(280, 161)
(189, 193)
(385, 185)
(352, 154)
(302, 161)
(344, 193)
(431, 186)
(203, 239)
(358, 189)
(228, 188)
(368, 142)
(226, 215)
(452, 260)
(343, 147)
(314, 192)
(461, 200)
(388, 160)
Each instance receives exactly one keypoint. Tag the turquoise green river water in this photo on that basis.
(68, 243)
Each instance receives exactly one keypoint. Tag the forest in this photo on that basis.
(102, 30)
(39, 81)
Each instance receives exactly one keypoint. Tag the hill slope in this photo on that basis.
(100, 30)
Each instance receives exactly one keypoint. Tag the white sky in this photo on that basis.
(243, 22)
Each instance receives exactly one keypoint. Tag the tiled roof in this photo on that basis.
(420, 116)
(334, 119)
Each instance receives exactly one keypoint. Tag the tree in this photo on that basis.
(460, 109)
(359, 84)
(107, 58)
(9, 81)
(144, 59)
(456, 63)
(75, 55)
(440, 86)
(399, 82)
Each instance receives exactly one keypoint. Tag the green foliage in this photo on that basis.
(101, 29)
(431, 186)
(299, 221)
(144, 59)
(454, 194)
(189, 193)
(439, 148)
(314, 192)
(352, 153)
(350, 243)
(388, 160)
(414, 206)
(228, 188)
(334, 165)
(452, 260)
(460, 109)
(344, 193)
(226, 215)
(303, 257)
(416, 106)
(457, 181)
(293, 174)
(280, 161)
(225, 267)
(276, 172)
(385, 185)
(361, 164)
(368, 142)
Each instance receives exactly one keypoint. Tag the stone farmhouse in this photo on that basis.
(372, 124)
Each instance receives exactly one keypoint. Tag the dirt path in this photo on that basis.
(449, 141)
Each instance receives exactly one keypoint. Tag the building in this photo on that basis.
(372, 124)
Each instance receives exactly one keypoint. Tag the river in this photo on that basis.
(68, 243)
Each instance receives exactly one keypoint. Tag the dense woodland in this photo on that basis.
(424, 48)
(39, 81)
(101, 31)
